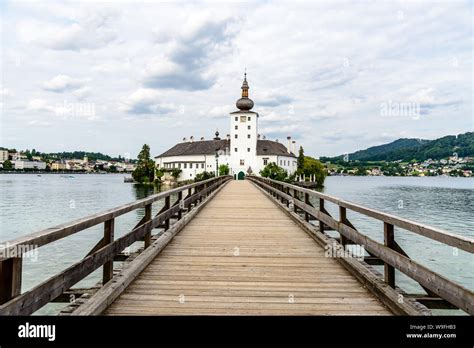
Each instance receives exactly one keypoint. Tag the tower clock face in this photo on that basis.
(243, 118)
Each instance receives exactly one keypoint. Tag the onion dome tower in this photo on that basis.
(245, 103)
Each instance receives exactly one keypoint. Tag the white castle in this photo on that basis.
(243, 150)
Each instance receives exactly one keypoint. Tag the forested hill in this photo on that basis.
(414, 149)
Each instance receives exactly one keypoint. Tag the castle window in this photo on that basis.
(236, 118)
(265, 161)
(202, 165)
(236, 127)
(235, 149)
(248, 127)
(248, 149)
(248, 136)
(242, 162)
(249, 118)
(179, 165)
(185, 164)
(236, 136)
(190, 166)
(281, 163)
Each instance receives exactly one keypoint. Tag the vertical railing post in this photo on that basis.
(295, 197)
(306, 200)
(10, 278)
(189, 195)
(321, 210)
(180, 211)
(343, 220)
(147, 237)
(108, 269)
(166, 207)
(389, 240)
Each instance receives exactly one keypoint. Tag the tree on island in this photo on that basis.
(313, 167)
(300, 163)
(145, 170)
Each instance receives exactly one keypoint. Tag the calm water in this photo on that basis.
(29, 203)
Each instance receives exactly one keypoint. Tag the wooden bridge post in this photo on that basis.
(108, 269)
(189, 195)
(343, 220)
(147, 237)
(389, 241)
(295, 197)
(321, 210)
(180, 198)
(166, 207)
(10, 278)
(306, 200)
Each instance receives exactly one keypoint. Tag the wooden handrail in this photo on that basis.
(12, 302)
(437, 234)
(51, 234)
(389, 251)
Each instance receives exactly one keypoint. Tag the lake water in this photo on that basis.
(30, 203)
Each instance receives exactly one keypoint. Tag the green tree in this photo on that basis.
(175, 172)
(7, 165)
(204, 176)
(145, 171)
(313, 167)
(301, 157)
(224, 169)
(273, 171)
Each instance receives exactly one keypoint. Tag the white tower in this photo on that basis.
(243, 135)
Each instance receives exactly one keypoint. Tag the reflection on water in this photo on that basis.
(142, 191)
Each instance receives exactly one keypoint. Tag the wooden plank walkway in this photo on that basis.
(241, 255)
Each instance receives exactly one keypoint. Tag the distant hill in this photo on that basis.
(414, 149)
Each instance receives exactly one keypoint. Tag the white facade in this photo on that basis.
(3, 155)
(243, 142)
(191, 165)
(29, 165)
(245, 153)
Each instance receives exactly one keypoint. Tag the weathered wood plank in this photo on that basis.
(241, 255)
(107, 294)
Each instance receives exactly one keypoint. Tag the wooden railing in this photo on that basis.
(13, 302)
(442, 292)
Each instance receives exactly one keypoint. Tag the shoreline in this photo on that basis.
(63, 173)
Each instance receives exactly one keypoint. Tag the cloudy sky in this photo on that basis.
(337, 76)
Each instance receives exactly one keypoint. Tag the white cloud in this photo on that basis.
(39, 104)
(188, 54)
(62, 83)
(308, 78)
(92, 31)
(146, 101)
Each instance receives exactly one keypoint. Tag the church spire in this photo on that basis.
(245, 87)
(245, 103)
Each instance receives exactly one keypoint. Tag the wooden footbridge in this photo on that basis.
(225, 247)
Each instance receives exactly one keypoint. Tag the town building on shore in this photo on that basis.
(243, 149)
(21, 164)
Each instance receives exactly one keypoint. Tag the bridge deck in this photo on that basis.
(242, 255)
